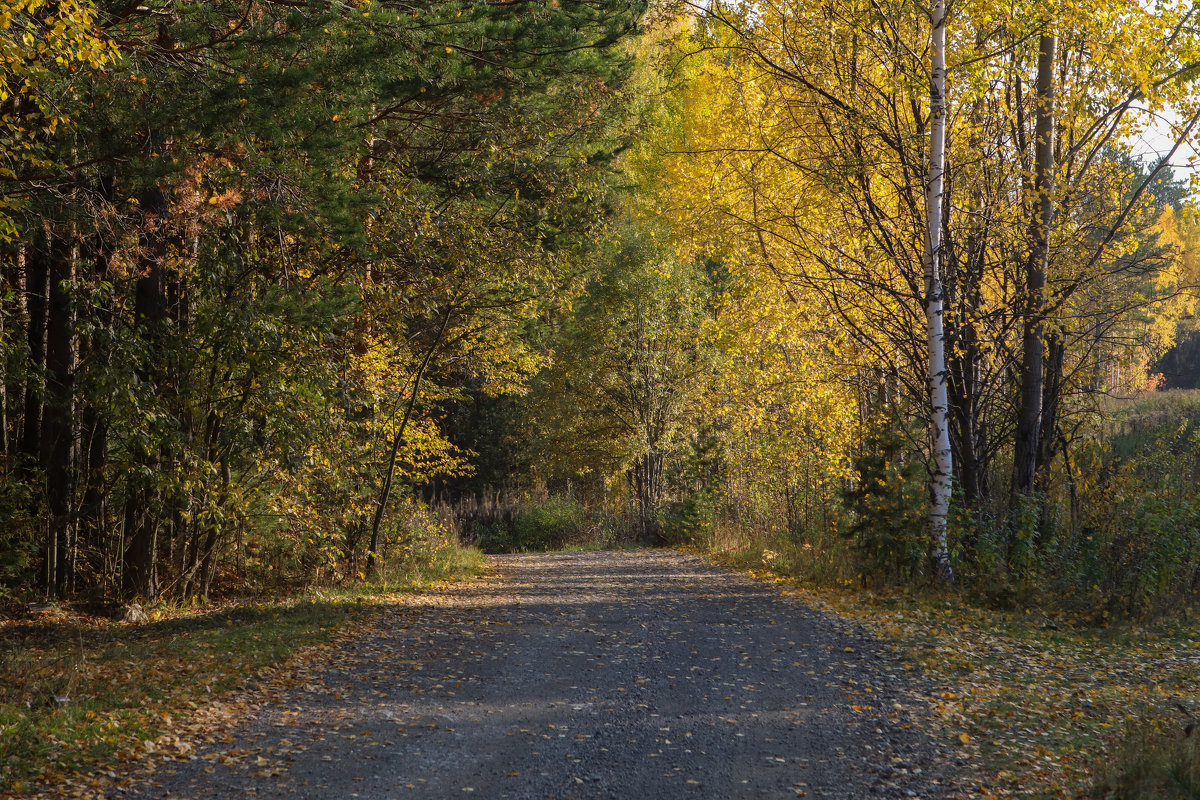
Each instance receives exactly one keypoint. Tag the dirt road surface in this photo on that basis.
(643, 674)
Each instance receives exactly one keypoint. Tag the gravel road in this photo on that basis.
(646, 674)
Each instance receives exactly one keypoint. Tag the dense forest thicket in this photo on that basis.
(254, 253)
(297, 292)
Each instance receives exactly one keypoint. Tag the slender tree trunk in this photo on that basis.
(385, 492)
(1029, 412)
(647, 486)
(11, 277)
(175, 388)
(94, 355)
(139, 571)
(943, 459)
(972, 468)
(200, 548)
(208, 559)
(7, 328)
(654, 462)
(1051, 394)
(966, 429)
(93, 441)
(964, 277)
(58, 439)
(37, 273)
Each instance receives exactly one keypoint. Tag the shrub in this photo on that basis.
(888, 503)
(494, 537)
(549, 524)
(689, 520)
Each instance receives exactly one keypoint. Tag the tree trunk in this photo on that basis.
(965, 270)
(139, 571)
(1051, 394)
(967, 435)
(943, 459)
(174, 389)
(1032, 376)
(397, 439)
(6, 325)
(208, 551)
(58, 440)
(93, 439)
(94, 350)
(14, 311)
(647, 487)
(37, 273)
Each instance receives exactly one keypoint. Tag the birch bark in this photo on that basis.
(941, 482)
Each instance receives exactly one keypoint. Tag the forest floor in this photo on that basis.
(574, 675)
(1053, 706)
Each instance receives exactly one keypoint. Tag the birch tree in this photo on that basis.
(941, 479)
(817, 151)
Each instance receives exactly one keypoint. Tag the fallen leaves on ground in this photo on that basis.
(87, 702)
(1040, 707)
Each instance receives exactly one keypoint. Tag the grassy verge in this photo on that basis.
(79, 694)
(1046, 706)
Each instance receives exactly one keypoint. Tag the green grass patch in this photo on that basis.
(78, 693)
(1132, 424)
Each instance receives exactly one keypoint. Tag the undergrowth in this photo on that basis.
(1159, 760)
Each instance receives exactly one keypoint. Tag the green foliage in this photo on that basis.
(42, 45)
(536, 524)
(888, 504)
(538, 520)
(1118, 531)
(548, 525)
(494, 537)
(17, 549)
(1125, 536)
(307, 240)
(689, 520)
(1180, 365)
(620, 403)
(1118, 535)
(1027, 539)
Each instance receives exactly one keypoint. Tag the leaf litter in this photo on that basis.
(1042, 705)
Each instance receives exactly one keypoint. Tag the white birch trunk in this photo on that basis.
(943, 459)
